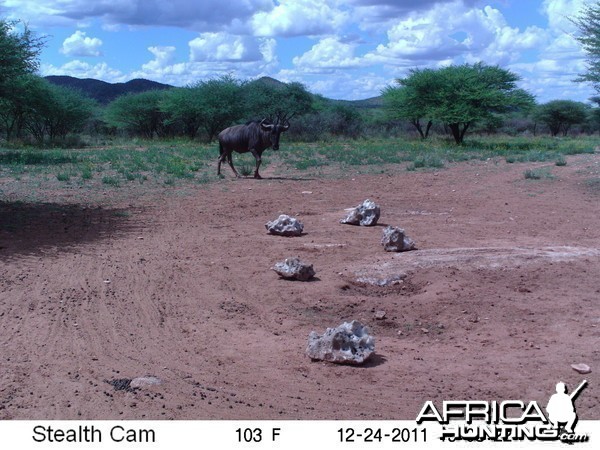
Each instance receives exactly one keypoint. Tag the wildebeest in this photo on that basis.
(254, 137)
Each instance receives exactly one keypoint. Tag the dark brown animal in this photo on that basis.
(254, 137)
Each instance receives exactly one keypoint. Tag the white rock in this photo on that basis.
(380, 315)
(350, 343)
(285, 225)
(366, 214)
(294, 268)
(581, 368)
(144, 381)
(394, 240)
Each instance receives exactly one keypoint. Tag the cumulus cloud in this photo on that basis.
(300, 17)
(338, 85)
(454, 32)
(550, 79)
(211, 54)
(559, 12)
(224, 47)
(327, 55)
(81, 69)
(78, 44)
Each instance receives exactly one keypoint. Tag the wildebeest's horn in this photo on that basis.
(266, 126)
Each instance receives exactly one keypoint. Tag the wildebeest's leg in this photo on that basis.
(230, 161)
(258, 161)
(226, 155)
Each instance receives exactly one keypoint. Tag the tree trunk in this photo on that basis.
(429, 124)
(458, 131)
(417, 125)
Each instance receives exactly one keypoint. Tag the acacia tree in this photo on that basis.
(410, 100)
(588, 23)
(220, 103)
(459, 96)
(47, 111)
(560, 115)
(182, 107)
(18, 53)
(274, 100)
(137, 113)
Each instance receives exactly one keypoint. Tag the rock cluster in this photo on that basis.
(394, 240)
(285, 225)
(294, 268)
(366, 214)
(350, 343)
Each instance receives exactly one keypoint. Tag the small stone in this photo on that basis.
(581, 368)
(285, 225)
(399, 332)
(349, 343)
(424, 330)
(394, 240)
(294, 268)
(366, 214)
(380, 315)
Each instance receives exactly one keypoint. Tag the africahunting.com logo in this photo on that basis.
(510, 420)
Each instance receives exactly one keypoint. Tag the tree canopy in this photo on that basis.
(457, 96)
(560, 115)
(18, 53)
(588, 23)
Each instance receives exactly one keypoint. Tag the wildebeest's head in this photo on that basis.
(275, 130)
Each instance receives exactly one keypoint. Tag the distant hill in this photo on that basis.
(105, 92)
(373, 102)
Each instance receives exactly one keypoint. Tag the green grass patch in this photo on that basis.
(560, 161)
(63, 176)
(538, 173)
(111, 181)
(169, 163)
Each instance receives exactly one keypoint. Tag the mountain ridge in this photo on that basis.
(105, 92)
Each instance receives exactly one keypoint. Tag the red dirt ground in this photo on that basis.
(181, 288)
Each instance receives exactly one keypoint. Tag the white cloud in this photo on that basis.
(327, 55)
(81, 69)
(300, 17)
(224, 47)
(163, 57)
(78, 44)
(559, 12)
(211, 54)
(338, 85)
(452, 31)
(549, 79)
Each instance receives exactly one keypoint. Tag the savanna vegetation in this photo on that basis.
(427, 119)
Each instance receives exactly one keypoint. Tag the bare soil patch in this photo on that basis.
(180, 288)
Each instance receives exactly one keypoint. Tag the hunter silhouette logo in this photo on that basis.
(509, 420)
(561, 407)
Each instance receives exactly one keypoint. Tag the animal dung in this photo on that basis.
(294, 269)
(285, 225)
(394, 240)
(366, 214)
(349, 343)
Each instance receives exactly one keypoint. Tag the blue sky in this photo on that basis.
(347, 49)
